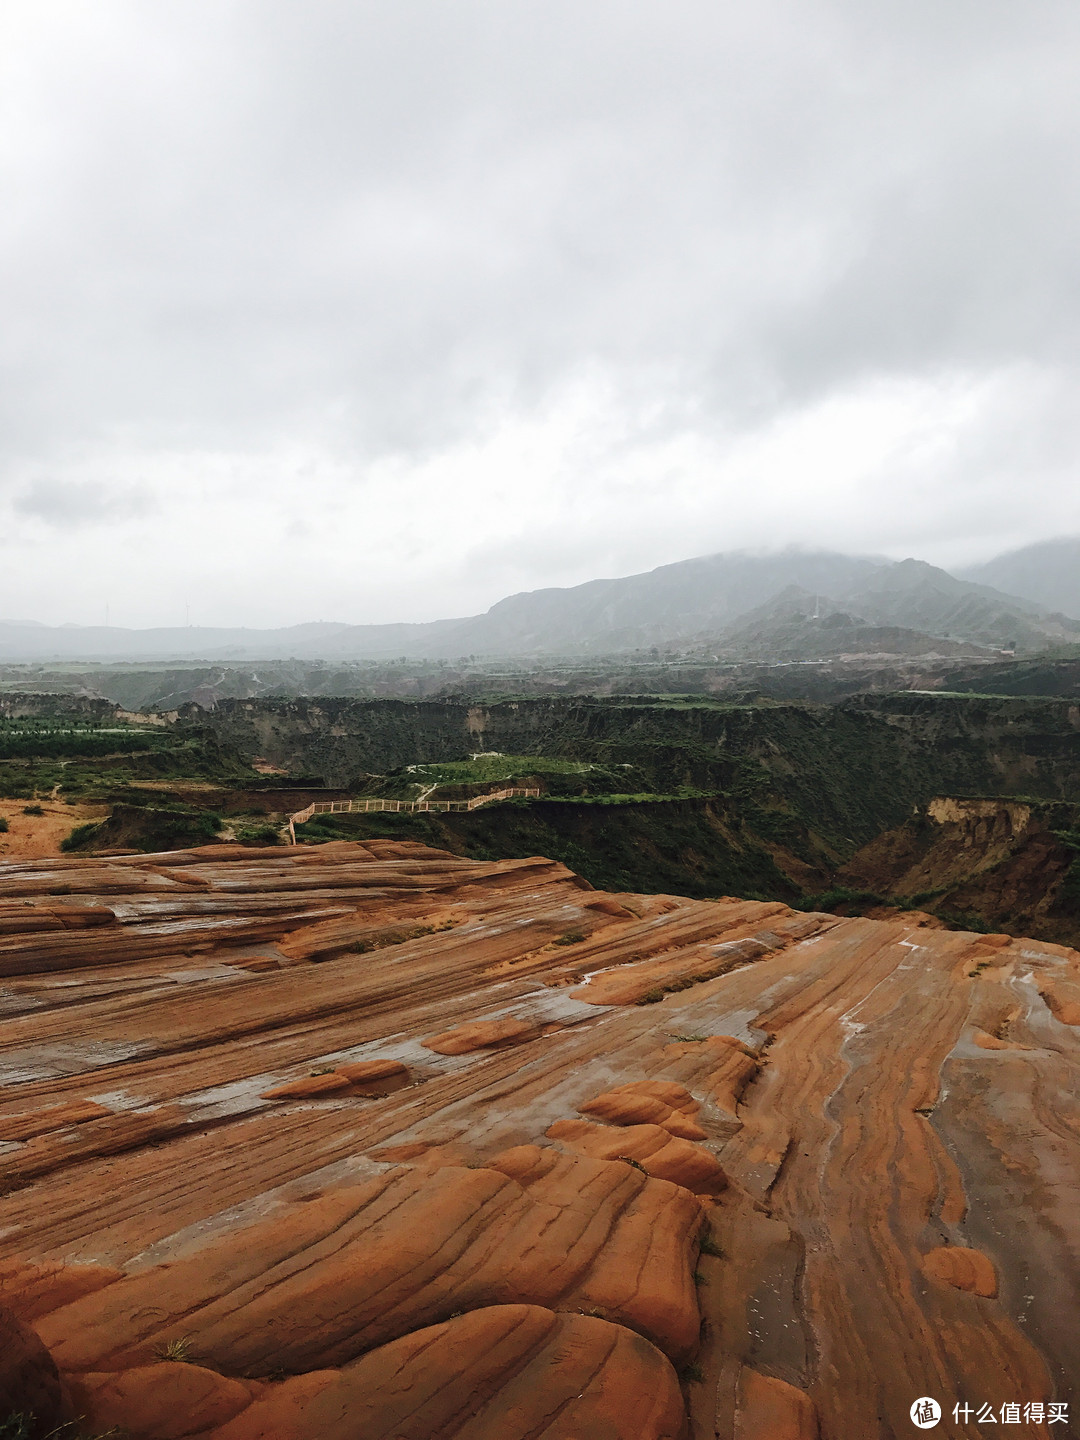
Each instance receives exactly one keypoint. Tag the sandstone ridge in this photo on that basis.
(376, 1143)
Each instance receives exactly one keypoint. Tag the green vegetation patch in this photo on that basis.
(258, 834)
(1068, 895)
(483, 769)
(676, 847)
(145, 827)
(556, 776)
(22, 739)
(96, 769)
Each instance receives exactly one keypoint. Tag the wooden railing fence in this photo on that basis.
(341, 807)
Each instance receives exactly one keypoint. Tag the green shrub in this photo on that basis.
(4, 827)
(33, 810)
(830, 899)
(1068, 896)
(44, 744)
(80, 837)
(258, 835)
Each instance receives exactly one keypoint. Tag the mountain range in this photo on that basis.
(1048, 573)
(786, 606)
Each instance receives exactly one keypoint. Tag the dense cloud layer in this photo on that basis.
(376, 312)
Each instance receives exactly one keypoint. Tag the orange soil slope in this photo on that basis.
(342, 1142)
(30, 837)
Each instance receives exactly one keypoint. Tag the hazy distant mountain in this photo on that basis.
(25, 641)
(921, 596)
(1048, 573)
(797, 625)
(657, 607)
(600, 616)
(675, 605)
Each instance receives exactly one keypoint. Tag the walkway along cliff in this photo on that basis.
(409, 807)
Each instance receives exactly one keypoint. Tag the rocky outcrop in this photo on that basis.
(663, 1103)
(502, 1370)
(483, 1035)
(1003, 863)
(966, 1269)
(651, 1148)
(30, 1384)
(771, 1409)
(337, 1142)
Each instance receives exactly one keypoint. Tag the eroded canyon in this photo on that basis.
(374, 1142)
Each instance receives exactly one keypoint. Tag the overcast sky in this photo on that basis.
(377, 311)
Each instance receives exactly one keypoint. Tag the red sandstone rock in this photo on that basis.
(965, 1269)
(500, 1373)
(654, 1149)
(642, 1274)
(25, 918)
(273, 1236)
(1063, 998)
(30, 1290)
(770, 1409)
(54, 1117)
(730, 1066)
(29, 1382)
(163, 1401)
(480, 1035)
(734, 1066)
(644, 1101)
(399, 1154)
(113, 1134)
(82, 917)
(426, 1156)
(360, 1071)
(288, 1292)
(670, 973)
(992, 1042)
(308, 1086)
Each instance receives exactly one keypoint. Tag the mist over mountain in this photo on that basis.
(707, 601)
(924, 597)
(659, 607)
(1048, 573)
(797, 625)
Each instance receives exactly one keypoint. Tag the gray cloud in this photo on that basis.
(310, 263)
(70, 505)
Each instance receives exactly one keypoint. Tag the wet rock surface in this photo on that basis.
(342, 1142)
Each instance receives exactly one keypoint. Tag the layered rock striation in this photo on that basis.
(376, 1143)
